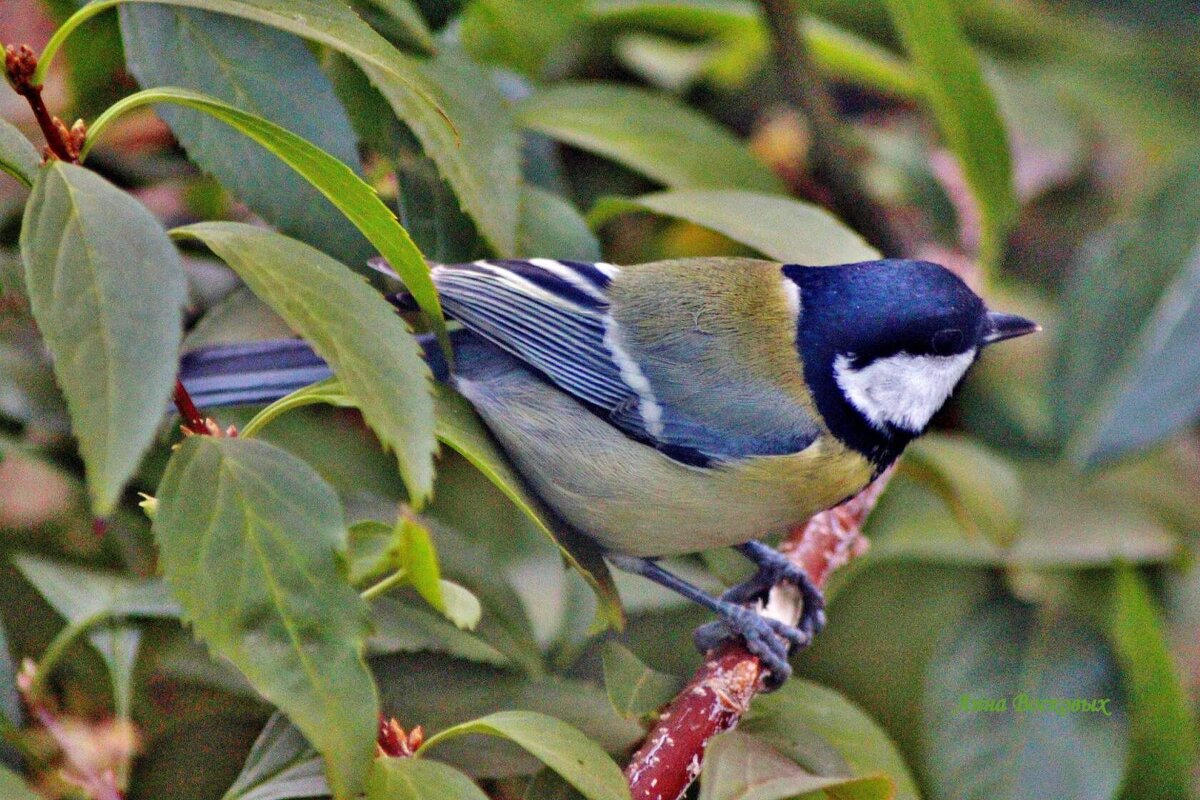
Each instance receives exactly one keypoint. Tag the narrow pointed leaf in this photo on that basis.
(649, 132)
(966, 111)
(369, 347)
(263, 71)
(335, 180)
(107, 288)
(789, 230)
(480, 159)
(253, 544)
(633, 688)
(420, 561)
(562, 748)
(281, 764)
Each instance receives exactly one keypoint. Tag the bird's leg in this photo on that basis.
(769, 639)
(773, 567)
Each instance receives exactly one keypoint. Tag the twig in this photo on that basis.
(718, 695)
(20, 63)
(832, 160)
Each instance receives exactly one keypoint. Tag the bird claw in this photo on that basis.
(769, 639)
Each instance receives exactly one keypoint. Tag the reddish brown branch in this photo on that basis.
(721, 690)
(193, 420)
(20, 64)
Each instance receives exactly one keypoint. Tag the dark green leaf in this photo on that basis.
(481, 163)
(84, 594)
(118, 646)
(13, 786)
(633, 688)
(398, 20)
(982, 489)
(779, 227)
(10, 701)
(966, 112)
(574, 756)
(1129, 376)
(1006, 652)
(551, 225)
(402, 628)
(649, 132)
(256, 558)
(738, 766)
(239, 317)
(802, 719)
(281, 765)
(263, 71)
(547, 785)
(373, 550)
(353, 328)
(107, 289)
(519, 34)
(18, 157)
(1162, 748)
(459, 429)
(429, 209)
(419, 779)
(334, 24)
(336, 181)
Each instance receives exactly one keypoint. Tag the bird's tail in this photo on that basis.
(262, 372)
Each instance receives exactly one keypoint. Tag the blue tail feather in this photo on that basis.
(262, 372)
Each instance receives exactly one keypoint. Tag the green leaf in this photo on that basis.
(83, 594)
(1128, 376)
(331, 23)
(802, 718)
(1007, 652)
(329, 392)
(10, 701)
(649, 132)
(281, 764)
(462, 607)
(633, 688)
(14, 787)
(547, 785)
(779, 227)
(982, 489)
(1162, 748)
(551, 225)
(966, 112)
(256, 559)
(397, 20)
(419, 560)
(403, 628)
(482, 163)
(738, 766)
(350, 325)
(519, 34)
(460, 429)
(373, 550)
(335, 180)
(107, 290)
(263, 71)
(18, 157)
(562, 748)
(419, 779)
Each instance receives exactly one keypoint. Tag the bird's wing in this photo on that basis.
(554, 316)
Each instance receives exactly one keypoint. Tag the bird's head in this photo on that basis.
(885, 343)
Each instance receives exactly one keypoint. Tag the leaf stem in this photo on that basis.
(832, 158)
(58, 647)
(193, 420)
(395, 579)
(60, 36)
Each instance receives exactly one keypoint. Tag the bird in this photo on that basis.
(676, 406)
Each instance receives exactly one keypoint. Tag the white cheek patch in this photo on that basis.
(903, 389)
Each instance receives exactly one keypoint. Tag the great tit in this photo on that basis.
(677, 406)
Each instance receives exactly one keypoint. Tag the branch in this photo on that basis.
(719, 694)
(832, 159)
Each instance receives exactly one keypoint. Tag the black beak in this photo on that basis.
(1007, 326)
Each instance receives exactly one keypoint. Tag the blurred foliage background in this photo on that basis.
(1041, 541)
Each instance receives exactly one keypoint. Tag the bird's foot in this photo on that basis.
(769, 639)
(773, 568)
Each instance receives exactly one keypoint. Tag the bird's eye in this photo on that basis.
(947, 341)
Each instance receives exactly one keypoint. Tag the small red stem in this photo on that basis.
(193, 420)
(20, 63)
